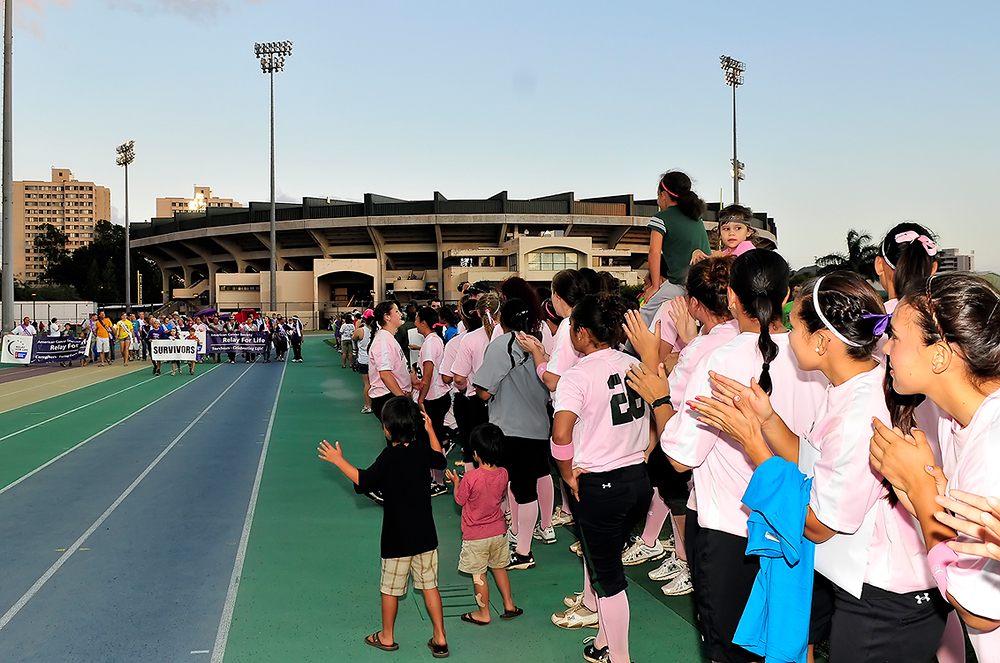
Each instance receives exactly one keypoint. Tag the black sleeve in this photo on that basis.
(370, 480)
(437, 460)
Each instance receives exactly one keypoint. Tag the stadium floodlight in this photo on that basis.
(126, 155)
(734, 78)
(7, 260)
(272, 58)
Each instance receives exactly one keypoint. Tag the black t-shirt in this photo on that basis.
(402, 473)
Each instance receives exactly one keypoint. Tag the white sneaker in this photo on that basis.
(575, 618)
(561, 518)
(639, 552)
(670, 569)
(679, 586)
(573, 600)
(546, 536)
(511, 538)
(366, 410)
(577, 548)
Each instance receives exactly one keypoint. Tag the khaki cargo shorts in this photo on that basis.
(481, 554)
(396, 571)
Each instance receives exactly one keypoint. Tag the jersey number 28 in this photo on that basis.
(626, 405)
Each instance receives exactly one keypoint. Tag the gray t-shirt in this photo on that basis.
(520, 398)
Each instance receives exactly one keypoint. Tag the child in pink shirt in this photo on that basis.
(484, 540)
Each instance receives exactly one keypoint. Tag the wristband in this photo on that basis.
(940, 557)
(662, 401)
(561, 451)
(541, 368)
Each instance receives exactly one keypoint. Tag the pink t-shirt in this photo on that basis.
(740, 249)
(612, 426)
(450, 352)
(972, 463)
(479, 493)
(668, 330)
(876, 544)
(722, 470)
(470, 357)
(563, 356)
(386, 355)
(433, 351)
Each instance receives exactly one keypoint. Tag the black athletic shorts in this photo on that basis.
(671, 484)
(881, 626)
(378, 403)
(437, 409)
(526, 461)
(723, 576)
(610, 505)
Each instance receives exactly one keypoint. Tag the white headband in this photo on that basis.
(822, 318)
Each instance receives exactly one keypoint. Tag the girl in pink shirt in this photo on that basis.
(945, 344)
(734, 231)
(604, 467)
(468, 360)
(388, 373)
(432, 393)
(470, 322)
(870, 551)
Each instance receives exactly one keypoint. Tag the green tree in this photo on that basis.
(860, 257)
(51, 244)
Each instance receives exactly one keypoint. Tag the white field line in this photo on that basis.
(89, 384)
(28, 595)
(222, 637)
(101, 432)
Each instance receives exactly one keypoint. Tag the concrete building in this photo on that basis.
(72, 206)
(334, 254)
(202, 200)
(950, 260)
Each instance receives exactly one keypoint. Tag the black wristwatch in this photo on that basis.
(662, 401)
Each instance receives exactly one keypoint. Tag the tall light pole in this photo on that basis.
(272, 58)
(734, 78)
(126, 155)
(7, 287)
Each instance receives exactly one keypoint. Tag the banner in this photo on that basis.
(241, 341)
(16, 349)
(56, 349)
(174, 350)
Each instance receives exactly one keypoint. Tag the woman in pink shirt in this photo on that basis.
(467, 362)
(945, 344)
(880, 603)
(599, 438)
(470, 322)
(388, 373)
(432, 393)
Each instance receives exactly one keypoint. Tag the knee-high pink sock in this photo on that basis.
(655, 517)
(952, 647)
(527, 514)
(565, 498)
(589, 595)
(614, 622)
(437, 476)
(512, 505)
(546, 495)
(680, 550)
(601, 639)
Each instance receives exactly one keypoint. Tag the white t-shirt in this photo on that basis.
(563, 356)
(363, 345)
(433, 351)
(346, 331)
(612, 426)
(22, 330)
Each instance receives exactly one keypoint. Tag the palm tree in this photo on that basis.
(860, 257)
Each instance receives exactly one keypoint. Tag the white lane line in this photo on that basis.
(99, 433)
(89, 384)
(201, 651)
(49, 384)
(28, 595)
(41, 423)
(219, 651)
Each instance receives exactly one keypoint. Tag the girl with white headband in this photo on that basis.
(874, 596)
(907, 256)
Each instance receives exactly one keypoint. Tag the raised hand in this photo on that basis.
(451, 476)
(649, 385)
(687, 327)
(645, 342)
(749, 399)
(330, 453)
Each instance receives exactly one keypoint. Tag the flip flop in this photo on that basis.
(467, 617)
(437, 651)
(511, 614)
(373, 640)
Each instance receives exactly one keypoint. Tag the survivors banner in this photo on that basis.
(55, 349)
(174, 350)
(242, 341)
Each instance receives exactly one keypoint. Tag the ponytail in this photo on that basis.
(909, 250)
(488, 307)
(760, 280)
(430, 316)
(677, 185)
(603, 316)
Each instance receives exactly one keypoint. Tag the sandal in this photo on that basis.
(438, 651)
(467, 617)
(511, 614)
(374, 641)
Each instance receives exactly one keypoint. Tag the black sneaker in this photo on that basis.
(521, 561)
(593, 654)
(437, 489)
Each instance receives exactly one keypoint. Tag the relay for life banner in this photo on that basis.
(174, 350)
(40, 349)
(240, 341)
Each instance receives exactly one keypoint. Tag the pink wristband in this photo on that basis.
(561, 451)
(541, 368)
(940, 558)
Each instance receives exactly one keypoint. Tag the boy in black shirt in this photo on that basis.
(409, 540)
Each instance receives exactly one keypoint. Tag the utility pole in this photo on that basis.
(126, 155)
(7, 287)
(734, 78)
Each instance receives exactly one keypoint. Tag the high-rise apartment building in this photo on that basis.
(950, 260)
(71, 206)
(203, 198)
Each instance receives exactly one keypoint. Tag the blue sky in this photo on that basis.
(853, 114)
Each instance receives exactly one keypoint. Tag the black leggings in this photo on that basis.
(436, 410)
(469, 413)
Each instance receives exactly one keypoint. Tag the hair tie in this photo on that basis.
(827, 323)
(882, 324)
(911, 236)
(668, 190)
(766, 366)
(760, 291)
(440, 324)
